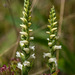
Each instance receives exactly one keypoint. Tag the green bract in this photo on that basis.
(52, 41)
(26, 49)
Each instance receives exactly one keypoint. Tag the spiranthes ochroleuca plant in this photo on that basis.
(25, 53)
(52, 41)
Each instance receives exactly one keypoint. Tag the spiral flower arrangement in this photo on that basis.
(26, 49)
(52, 41)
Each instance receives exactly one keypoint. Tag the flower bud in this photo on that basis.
(26, 50)
(24, 42)
(24, 13)
(50, 44)
(53, 29)
(47, 32)
(52, 36)
(48, 26)
(29, 24)
(54, 23)
(24, 33)
(23, 19)
(23, 26)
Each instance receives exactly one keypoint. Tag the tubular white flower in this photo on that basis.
(32, 47)
(54, 29)
(26, 50)
(52, 60)
(26, 63)
(24, 33)
(33, 56)
(54, 23)
(47, 55)
(51, 36)
(23, 26)
(22, 54)
(47, 32)
(18, 54)
(19, 65)
(50, 44)
(57, 47)
(25, 42)
(31, 38)
(23, 19)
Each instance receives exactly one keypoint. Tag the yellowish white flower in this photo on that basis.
(57, 47)
(23, 26)
(17, 54)
(19, 65)
(54, 23)
(48, 39)
(54, 29)
(31, 38)
(26, 50)
(47, 55)
(29, 23)
(21, 44)
(30, 30)
(26, 63)
(33, 56)
(24, 41)
(54, 18)
(49, 43)
(32, 47)
(24, 13)
(47, 32)
(24, 33)
(51, 36)
(22, 54)
(23, 19)
(48, 26)
(52, 60)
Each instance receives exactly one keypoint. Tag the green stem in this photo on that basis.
(24, 72)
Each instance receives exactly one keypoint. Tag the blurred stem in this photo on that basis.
(60, 25)
(12, 17)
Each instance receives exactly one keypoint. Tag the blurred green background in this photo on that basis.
(10, 13)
